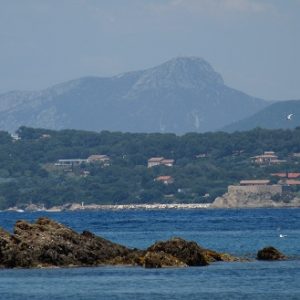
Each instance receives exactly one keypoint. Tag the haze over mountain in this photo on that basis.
(271, 117)
(184, 94)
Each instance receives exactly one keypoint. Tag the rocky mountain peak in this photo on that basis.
(182, 72)
(181, 95)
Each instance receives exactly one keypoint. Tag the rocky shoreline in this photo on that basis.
(243, 199)
(47, 243)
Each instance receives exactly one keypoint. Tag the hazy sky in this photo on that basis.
(254, 44)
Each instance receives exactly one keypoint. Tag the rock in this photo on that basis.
(160, 260)
(239, 197)
(189, 253)
(270, 253)
(7, 249)
(47, 243)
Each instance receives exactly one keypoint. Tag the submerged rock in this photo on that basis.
(270, 253)
(47, 243)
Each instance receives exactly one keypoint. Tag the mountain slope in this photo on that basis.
(271, 117)
(181, 95)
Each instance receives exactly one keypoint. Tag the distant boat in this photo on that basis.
(20, 210)
(282, 235)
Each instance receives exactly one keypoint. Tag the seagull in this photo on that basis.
(282, 235)
(289, 116)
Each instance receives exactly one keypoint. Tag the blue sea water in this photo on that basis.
(239, 232)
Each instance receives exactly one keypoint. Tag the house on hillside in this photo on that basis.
(267, 158)
(165, 179)
(160, 161)
(286, 175)
(70, 162)
(154, 161)
(104, 160)
(99, 158)
(292, 182)
(167, 162)
(15, 137)
(45, 136)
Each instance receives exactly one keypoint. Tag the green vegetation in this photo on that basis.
(205, 164)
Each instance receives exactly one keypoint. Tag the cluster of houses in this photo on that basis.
(285, 179)
(104, 160)
(161, 161)
(15, 137)
(265, 186)
(267, 158)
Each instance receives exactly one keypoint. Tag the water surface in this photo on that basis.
(239, 232)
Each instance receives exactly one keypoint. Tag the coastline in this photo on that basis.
(140, 206)
(220, 203)
(81, 207)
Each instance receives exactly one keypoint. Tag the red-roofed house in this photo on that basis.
(281, 175)
(158, 161)
(292, 182)
(293, 175)
(154, 161)
(165, 179)
(286, 175)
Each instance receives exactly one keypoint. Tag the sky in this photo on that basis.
(253, 44)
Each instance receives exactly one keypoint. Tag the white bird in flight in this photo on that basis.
(289, 116)
(282, 235)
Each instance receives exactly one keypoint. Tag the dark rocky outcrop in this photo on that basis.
(189, 252)
(270, 253)
(47, 243)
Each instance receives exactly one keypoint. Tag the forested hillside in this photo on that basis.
(204, 165)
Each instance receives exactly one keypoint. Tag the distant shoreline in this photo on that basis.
(87, 207)
(156, 206)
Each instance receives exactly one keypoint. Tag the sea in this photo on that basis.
(240, 232)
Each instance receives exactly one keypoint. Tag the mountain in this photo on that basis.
(181, 95)
(271, 117)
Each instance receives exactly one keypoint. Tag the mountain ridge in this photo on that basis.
(273, 116)
(181, 95)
